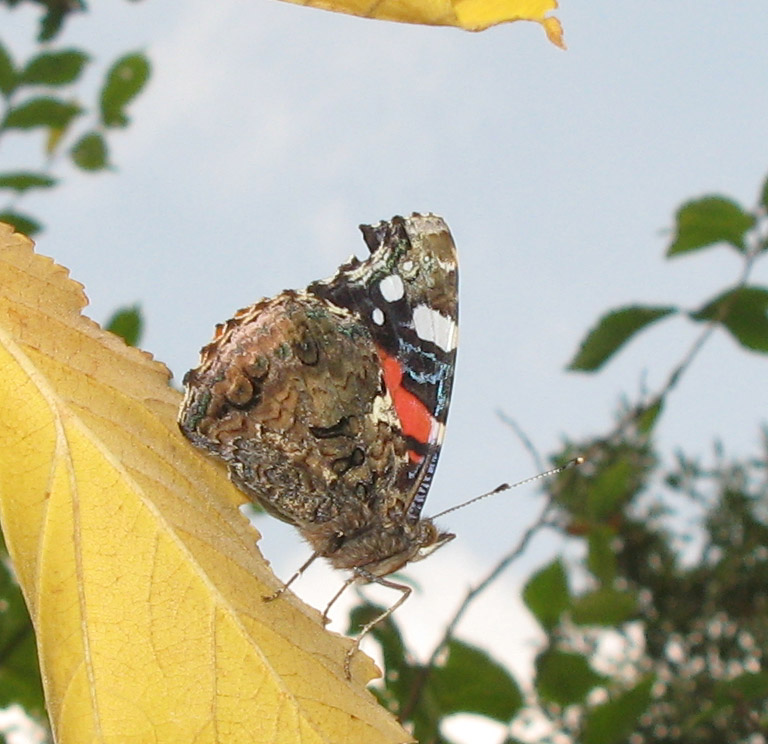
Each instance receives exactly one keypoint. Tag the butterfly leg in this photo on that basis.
(271, 597)
(361, 573)
(341, 591)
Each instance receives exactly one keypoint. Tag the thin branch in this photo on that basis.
(674, 377)
(421, 678)
(523, 437)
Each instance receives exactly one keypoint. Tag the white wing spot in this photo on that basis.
(431, 326)
(377, 316)
(392, 288)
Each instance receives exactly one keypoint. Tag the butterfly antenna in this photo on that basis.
(506, 486)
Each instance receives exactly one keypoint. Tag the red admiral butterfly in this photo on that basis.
(329, 404)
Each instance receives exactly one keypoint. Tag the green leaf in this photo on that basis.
(127, 323)
(400, 675)
(750, 687)
(19, 670)
(546, 594)
(7, 72)
(616, 719)
(472, 682)
(124, 81)
(709, 220)
(22, 181)
(647, 417)
(606, 607)
(54, 68)
(612, 331)
(386, 633)
(747, 686)
(565, 678)
(764, 195)
(90, 152)
(41, 112)
(743, 312)
(52, 22)
(612, 486)
(21, 222)
(601, 559)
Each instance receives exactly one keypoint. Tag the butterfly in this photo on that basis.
(329, 404)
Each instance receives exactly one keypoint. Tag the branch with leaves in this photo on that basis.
(38, 96)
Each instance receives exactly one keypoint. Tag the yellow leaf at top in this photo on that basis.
(471, 15)
(142, 578)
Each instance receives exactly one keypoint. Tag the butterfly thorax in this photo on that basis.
(378, 548)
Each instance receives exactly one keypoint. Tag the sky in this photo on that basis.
(270, 131)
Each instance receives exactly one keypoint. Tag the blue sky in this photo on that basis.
(270, 131)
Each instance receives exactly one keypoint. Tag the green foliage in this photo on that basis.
(742, 312)
(708, 221)
(38, 96)
(601, 559)
(749, 690)
(23, 181)
(7, 72)
(124, 81)
(44, 111)
(56, 12)
(741, 309)
(465, 680)
(612, 332)
(90, 152)
(54, 68)
(470, 681)
(647, 415)
(764, 195)
(607, 607)
(21, 222)
(546, 594)
(128, 323)
(614, 720)
(565, 678)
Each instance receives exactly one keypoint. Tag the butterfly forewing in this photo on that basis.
(406, 295)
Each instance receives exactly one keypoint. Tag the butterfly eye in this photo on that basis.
(430, 540)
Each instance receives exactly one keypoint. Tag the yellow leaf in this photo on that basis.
(142, 578)
(471, 15)
(54, 137)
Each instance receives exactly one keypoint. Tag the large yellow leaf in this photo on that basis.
(471, 15)
(142, 578)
